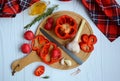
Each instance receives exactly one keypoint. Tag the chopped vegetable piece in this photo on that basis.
(87, 43)
(85, 38)
(66, 27)
(55, 53)
(86, 48)
(40, 40)
(39, 70)
(46, 49)
(92, 39)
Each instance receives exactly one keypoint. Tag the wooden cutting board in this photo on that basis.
(33, 57)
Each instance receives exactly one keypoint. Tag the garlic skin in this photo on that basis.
(68, 62)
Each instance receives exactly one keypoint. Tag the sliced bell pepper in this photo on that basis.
(92, 39)
(87, 42)
(45, 49)
(86, 47)
(85, 38)
(40, 40)
(45, 52)
(39, 70)
(66, 27)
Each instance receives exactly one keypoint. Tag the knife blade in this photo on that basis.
(73, 56)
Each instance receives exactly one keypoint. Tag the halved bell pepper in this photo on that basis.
(66, 27)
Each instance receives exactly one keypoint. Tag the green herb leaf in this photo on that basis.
(42, 16)
(45, 77)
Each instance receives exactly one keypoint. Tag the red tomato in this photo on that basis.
(39, 70)
(49, 23)
(28, 35)
(56, 53)
(48, 26)
(50, 20)
(25, 48)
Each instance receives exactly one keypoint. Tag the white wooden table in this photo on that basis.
(102, 65)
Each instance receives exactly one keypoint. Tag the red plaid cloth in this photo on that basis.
(106, 15)
(9, 8)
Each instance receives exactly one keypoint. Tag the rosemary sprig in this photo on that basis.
(46, 77)
(48, 12)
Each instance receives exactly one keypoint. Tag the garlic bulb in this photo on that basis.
(74, 46)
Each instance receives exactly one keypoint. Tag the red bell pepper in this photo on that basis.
(39, 70)
(66, 27)
(87, 42)
(40, 40)
(46, 51)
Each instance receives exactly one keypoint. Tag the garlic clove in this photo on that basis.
(68, 62)
(62, 61)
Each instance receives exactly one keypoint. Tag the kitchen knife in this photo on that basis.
(73, 56)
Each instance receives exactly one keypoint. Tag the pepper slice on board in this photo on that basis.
(86, 47)
(47, 51)
(92, 39)
(66, 27)
(39, 39)
(87, 42)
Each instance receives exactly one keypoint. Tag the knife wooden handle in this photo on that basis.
(21, 63)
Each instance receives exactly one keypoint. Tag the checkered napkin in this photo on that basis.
(106, 15)
(9, 8)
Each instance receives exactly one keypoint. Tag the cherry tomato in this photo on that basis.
(56, 53)
(25, 48)
(28, 35)
(48, 26)
(39, 70)
(50, 20)
(49, 23)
